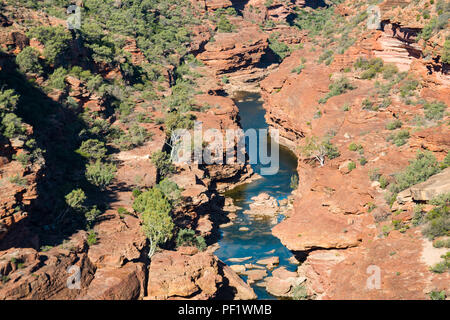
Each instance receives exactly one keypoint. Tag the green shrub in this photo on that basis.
(121, 211)
(445, 54)
(367, 105)
(383, 182)
(171, 190)
(8, 100)
(437, 295)
(12, 126)
(440, 267)
(355, 147)
(224, 25)
(395, 124)
(331, 150)
(28, 61)
(76, 199)
(135, 137)
(136, 193)
(318, 150)
(18, 180)
(92, 215)
(434, 110)
(374, 174)
(91, 238)
(338, 87)
(327, 56)
(446, 162)
(163, 163)
(442, 243)
(300, 292)
(408, 87)
(419, 170)
(389, 70)
(351, 166)
(280, 49)
(371, 67)
(298, 69)
(100, 174)
(400, 138)
(57, 79)
(419, 215)
(56, 42)
(178, 120)
(438, 219)
(92, 149)
(187, 237)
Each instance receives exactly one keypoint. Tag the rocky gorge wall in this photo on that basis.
(338, 214)
(334, 227)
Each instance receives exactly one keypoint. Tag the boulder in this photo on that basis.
(174, 275)
(434, 186)
(263, 205)
(241, 290)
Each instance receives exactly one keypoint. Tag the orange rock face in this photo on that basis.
(174, 275)
(232, 51)
(338, 208)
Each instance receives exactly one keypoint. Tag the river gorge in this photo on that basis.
(256, 242)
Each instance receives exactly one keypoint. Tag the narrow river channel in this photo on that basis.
(258, 242)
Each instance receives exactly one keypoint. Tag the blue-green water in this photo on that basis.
(258, 241)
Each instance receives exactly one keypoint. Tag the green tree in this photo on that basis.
(57, 79)
(317, 149)
(163, 163)
(100, 174)
(12, 125)
(75, 199)
(157, 222)
(56, 40)
(28, 61)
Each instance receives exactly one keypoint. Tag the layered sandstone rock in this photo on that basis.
(337, 208)
(232, 51)
(427, 190)
(199, 276)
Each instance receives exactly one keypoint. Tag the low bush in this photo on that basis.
(92, 149)
(395, 124)
(187, 237)
(338, 87)
(424, 166)
(434, 110)
(438, 219)
(400, 138)
(100, 174)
